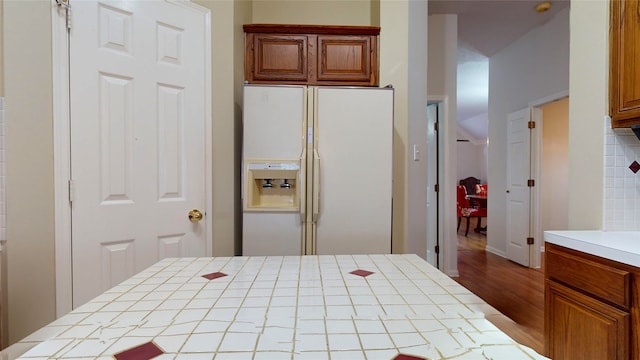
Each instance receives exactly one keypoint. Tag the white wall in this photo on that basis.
(472, 161)
(29, 148)
(533, 67)
(588, 106)
(317, 12)
(417, 127)
(442, 84)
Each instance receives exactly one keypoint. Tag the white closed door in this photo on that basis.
(353, 136)
(518, 191)
(138, 121)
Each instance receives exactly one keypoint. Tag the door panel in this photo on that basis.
(432, 180)
(138, 119)
(518, 193)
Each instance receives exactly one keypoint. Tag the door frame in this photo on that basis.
(63, 190)
(448, 238)
(536, 172)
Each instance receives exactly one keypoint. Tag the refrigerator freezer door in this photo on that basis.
(266, 234)
(273, 122)
(353, 136)
(274, 128)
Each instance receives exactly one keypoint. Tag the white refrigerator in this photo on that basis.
(317, 170)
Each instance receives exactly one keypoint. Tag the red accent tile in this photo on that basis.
(635, 167)
(214, 275)
(361, 272)
(407, 357)
(141, 352)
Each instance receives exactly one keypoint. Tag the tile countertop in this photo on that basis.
(298, 307)
(620, 246)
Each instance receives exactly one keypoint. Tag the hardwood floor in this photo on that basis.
(512, 289)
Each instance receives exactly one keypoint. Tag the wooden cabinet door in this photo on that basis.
(311, 54)
(346, 58)
(624, 76)
(580, 327)
(278, 58)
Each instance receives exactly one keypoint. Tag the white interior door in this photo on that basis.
(432, 180)
(518, 191)
(353, 137)
(138, 139)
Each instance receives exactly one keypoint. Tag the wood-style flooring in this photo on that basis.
(514, 290)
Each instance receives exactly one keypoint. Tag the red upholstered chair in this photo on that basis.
(482, 189)
(465, 210)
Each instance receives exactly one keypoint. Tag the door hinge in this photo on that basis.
(529, 241)
(437, 249)
(71, 192)
(436, 126)
(531, 183)
(436, 188)
(532, 125)
(67, 9)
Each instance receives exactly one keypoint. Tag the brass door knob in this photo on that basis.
(195, 215)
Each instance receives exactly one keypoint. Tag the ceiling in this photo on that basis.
(485, 28)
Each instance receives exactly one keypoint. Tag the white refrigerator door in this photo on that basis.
(354, 139)
(273, 128)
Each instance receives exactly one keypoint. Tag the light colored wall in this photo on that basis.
(554, 180)
(442, 84)
(30, 199)
(226, 61)
(472, 161)
(1, 48)
(243, 15)
(326, 12)
(587, 108)
(3, 263)
(394, 69)
(417, 127)
(533, 67)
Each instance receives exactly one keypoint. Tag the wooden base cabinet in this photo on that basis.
(311, 54)
(591, 306)
(581, 327)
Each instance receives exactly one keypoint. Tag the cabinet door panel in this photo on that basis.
(280, 57)
(624, 76)
(344, 58)
(580, 327)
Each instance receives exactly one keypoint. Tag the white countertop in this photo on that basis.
(296, 307)
(621, 246)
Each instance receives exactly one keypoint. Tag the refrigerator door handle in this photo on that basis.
(302, 190)
(316, 185)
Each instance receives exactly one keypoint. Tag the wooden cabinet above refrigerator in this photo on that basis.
(624, 67)
(311, 54)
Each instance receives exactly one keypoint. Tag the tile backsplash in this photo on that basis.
(621, 182)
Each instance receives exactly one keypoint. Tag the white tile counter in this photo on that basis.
(309, 307)
(620, 246)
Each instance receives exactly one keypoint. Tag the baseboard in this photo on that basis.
(496, 251)
(452, 273)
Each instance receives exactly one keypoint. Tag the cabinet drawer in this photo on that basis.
(605, 282)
